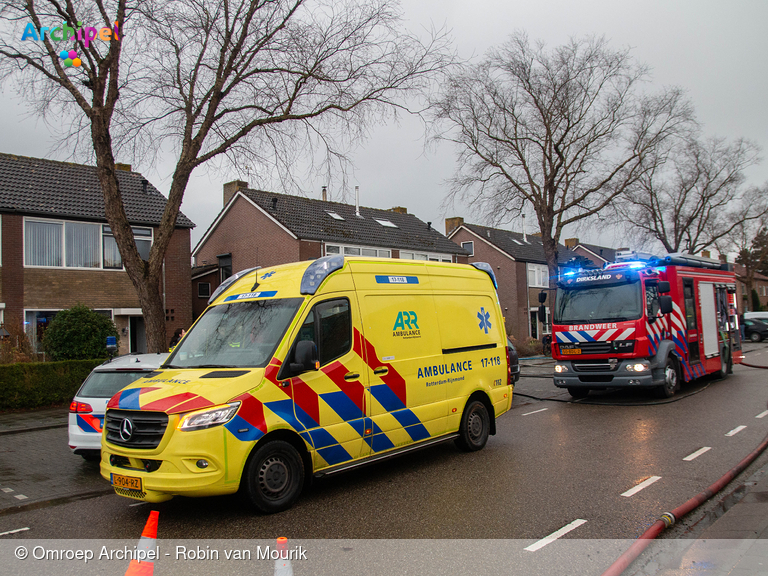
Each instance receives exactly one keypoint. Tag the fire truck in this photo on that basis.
(645, 324)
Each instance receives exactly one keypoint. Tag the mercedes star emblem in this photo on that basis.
(126, 429)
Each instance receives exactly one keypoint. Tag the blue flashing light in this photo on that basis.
(318, 271)
(485, 267)
(228, 282)
(636, 265)
(569, 273)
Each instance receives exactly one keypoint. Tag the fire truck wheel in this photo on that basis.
(274, 477)
(475, 427)
(671, 380)
(578, 393)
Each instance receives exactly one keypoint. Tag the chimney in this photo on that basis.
(452, 223)
(705, 254)
(357, 201)
(144, 184)
(399, 210)
(429, 225)
(571, 243)
(325, 193)
(124, 167)
(525, 238)
(724, 258)
(231, 187)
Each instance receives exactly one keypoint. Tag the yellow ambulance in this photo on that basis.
(309, 369)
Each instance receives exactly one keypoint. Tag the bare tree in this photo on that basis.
(562, 132)
(749, 239)
(260, 80)
(697, 197)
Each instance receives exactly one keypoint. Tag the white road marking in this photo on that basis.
(20, 497)
(555, 535)
(762, 414)
(535, 411)
(644, 484)
(698, 453)
(137, 504)
(13, 531)
(7, 490)
(735, 431)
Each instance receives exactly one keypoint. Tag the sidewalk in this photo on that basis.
(14, 422)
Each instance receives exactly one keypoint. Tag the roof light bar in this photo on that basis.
(228, 282)
(318, 271)
(485, 267)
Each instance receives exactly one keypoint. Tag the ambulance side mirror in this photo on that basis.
(305, 357)
(664, 287)
(665, 304)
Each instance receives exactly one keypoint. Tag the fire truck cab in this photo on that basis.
(652, 324)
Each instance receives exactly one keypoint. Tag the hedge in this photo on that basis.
(35, 384)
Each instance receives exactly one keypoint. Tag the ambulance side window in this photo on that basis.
(329, 325)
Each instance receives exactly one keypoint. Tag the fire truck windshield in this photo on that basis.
(599, 303)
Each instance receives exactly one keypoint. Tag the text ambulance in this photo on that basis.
(310, 369)
(651, 324)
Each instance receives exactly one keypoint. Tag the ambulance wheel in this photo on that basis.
(671, 380)
(475, 427)
(578, 393)
(274, 477)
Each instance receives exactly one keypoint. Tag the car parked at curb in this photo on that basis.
(86, 412)
(514, 361)
(755, 330)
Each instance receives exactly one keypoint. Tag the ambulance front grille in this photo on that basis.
(129, 493)
(146, 428)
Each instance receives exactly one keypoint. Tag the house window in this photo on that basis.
(469, 247)
(333, 215)
(538, 276)
(420, 256)
(225, 266)
(386, 223)
(112, 259)
(42, 243)
(203, 289)
(357, 251)
(82, 245)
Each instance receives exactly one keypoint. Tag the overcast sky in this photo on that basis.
(716, 51)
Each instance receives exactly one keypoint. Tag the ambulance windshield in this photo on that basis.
(599, 303)
(238, 335)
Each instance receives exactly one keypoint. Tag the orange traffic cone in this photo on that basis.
(143, 564)
(283, 563)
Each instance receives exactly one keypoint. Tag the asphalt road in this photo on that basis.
(552, 465)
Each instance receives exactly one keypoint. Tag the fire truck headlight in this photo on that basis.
(639, 367)
(559, 368)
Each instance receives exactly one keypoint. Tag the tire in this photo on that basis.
(755, 337)
(578, 393)
(671, 380)
(475, 427)
(274, 477)
(91, 455)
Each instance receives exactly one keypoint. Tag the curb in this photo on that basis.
(33, 429)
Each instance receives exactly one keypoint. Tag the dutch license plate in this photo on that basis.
(571, 351)
(128, 482)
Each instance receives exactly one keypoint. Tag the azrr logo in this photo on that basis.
(406, 320)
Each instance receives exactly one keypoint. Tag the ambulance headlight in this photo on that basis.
(560, 368)
(209, 417)
(638, 367)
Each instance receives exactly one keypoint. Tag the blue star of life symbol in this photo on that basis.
(268, 274)
(484, 316)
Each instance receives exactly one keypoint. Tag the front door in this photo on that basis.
(330, 403)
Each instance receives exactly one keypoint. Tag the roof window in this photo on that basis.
(386, 223)
(333, 215)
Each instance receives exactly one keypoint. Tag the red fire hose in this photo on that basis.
(669, 518)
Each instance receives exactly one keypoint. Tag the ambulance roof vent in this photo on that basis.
(485, 267)
(318, 271)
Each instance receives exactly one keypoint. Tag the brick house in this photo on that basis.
(257, 228)
(520, 267)
(57, 250)
(743, 296)
(599, 255)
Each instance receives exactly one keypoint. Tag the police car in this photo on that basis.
(86, 412)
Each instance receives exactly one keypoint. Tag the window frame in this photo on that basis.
(539, 271)
(343, 247)
(318, 329)
(102, 235)
(470, 250)
(199, 284)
